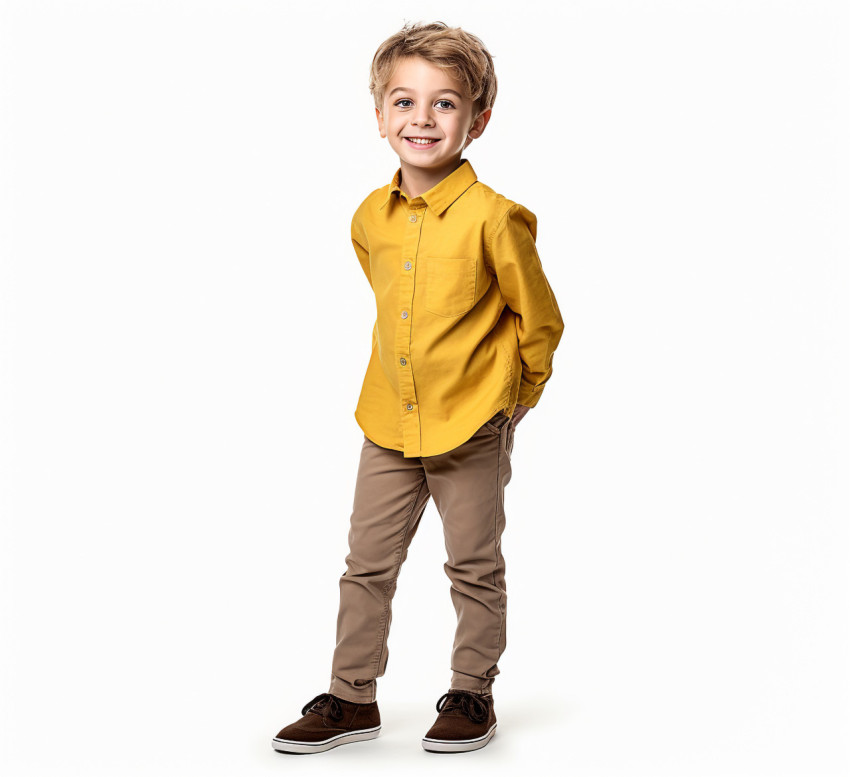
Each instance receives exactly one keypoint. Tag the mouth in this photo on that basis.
(418, 142)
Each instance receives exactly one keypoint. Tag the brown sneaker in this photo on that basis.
(466, 721)
(329, 721)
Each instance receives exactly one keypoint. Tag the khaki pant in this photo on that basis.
(391, 493)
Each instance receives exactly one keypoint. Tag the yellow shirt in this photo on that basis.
(466, 320)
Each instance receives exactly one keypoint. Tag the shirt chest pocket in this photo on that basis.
(449, 285)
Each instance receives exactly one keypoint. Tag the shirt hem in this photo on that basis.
(508, 410)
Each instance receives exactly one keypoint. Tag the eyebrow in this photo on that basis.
(408, 89)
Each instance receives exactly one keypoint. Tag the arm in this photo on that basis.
(513, 253)
(358, 240)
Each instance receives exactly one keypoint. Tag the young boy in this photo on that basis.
(462, 347)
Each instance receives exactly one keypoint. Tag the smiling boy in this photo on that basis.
(462, 347)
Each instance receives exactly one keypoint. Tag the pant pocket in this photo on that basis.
(496, 423)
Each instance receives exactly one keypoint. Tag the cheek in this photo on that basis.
(456, 127)
(396, 125)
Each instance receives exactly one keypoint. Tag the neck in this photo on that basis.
(418, 180)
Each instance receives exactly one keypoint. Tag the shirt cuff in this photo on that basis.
(529, 395)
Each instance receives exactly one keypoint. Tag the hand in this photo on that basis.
(519, 412)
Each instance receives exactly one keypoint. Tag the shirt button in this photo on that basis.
(404, 314)
(412, 217)
(408, 265)
(410, 407)
(403, 361)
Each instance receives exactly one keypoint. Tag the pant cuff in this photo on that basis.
(344, 691)
(461, 685)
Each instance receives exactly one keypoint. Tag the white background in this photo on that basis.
(184, 329)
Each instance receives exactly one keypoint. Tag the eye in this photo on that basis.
(449, 102)
(402, 100)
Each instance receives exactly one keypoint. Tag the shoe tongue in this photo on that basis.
(455, 701)
(465, 703)
(328, 707)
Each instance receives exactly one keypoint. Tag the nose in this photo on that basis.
(422, 117)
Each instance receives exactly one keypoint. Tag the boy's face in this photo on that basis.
(423, 101)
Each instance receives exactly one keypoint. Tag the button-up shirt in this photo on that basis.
(466, 323)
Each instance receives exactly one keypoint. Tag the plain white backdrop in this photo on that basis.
(184, 329)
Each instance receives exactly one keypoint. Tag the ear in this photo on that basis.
(480, 123)
(380, 119)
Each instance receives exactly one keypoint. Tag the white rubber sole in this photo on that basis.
(457, 745)
(293, 746)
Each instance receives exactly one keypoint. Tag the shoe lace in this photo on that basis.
(476, 707)
(322, 702)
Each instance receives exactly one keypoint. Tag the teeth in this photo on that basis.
(421, 141)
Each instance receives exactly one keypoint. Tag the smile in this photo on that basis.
(423, 142)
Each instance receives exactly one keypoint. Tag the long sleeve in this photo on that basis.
(519, 273)
(358, 240)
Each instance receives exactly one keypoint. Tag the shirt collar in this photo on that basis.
(443, 194)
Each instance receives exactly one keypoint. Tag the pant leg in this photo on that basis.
(468, 485)
(390, 496)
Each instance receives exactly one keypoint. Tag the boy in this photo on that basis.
(461, 349)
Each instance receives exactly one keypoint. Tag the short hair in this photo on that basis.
(459, 52)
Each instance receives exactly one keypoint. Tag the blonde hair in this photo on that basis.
(459, 52)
